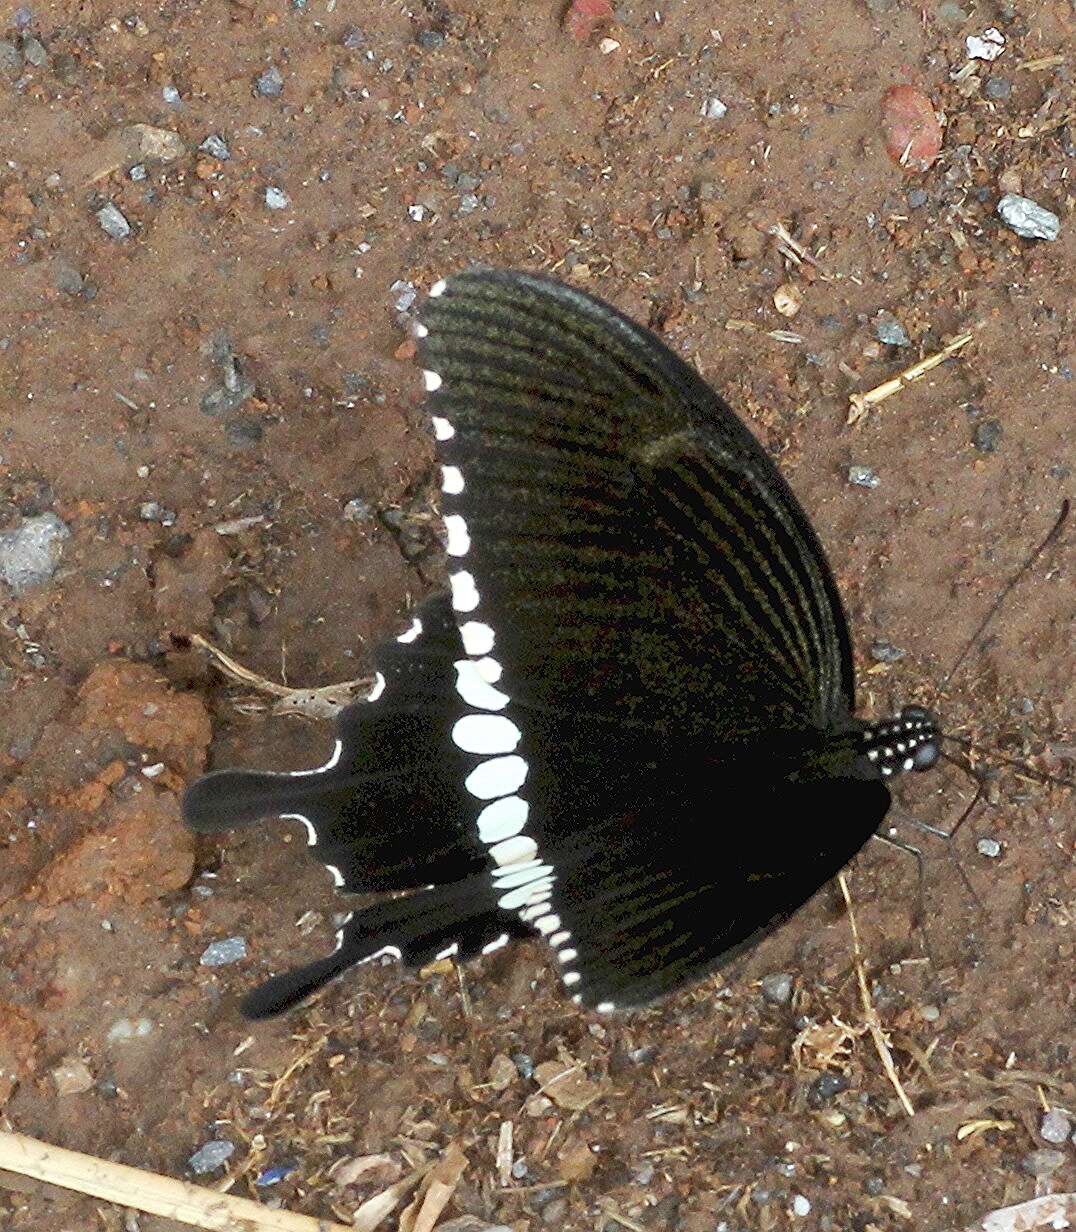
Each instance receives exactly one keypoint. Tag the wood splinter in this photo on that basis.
(860, 404)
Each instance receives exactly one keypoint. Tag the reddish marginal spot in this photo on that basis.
(582, 17)
(912, 133)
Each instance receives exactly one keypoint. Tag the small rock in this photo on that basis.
(30, 554)
(986, 436)
(270, 83)
(566, 1085)
(10, 58)
(430, 40)
(777, 988)
(997, 88)
(929, 1013)
(221, 953)
(986, 46)
(154, 511)
(72, 1077)
(553, 1213)
(404, 295)
(1028, 219)
(155, 144)
(862, 477)
(883, 651)
(989, 847)
(210, 1157)
(353, 38)
(468, 203)
(138, 173)
(124, 1029)
(951, 14)
(67, 279)
(273, 1176)
(1042, 1163)
(34, 51)
(889, 330)
(524, 1065)
(917, 197)
(714, 109)
(276, 198)
(502, 1072)
(801, 1206)
(1055, 1127)
(171, 96)
(216, 147)
(911, 130)
(23, 18)
(824, 1088)
(113, 222)
(358, 510)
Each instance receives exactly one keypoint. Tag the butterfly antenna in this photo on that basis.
(1055, 531)
(1040, 776)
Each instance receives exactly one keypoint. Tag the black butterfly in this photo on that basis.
(629, 727)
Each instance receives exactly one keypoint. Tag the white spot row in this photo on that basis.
(522, 879)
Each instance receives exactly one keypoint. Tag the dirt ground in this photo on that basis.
(219, 405)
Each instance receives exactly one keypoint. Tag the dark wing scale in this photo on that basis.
(391, 813)
(575, 430)
(652, 906)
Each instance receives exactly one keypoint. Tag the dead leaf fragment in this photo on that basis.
(434, 1193)
(567, 1085)
(912, 133)
(576, 1161)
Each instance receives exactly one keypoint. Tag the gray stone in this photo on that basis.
(1028, 219)
(468, 203)
(113, 222)
(276, 198)
(270, 83)
(989, 847)
(997, 88)
(171, 96)
(986, 436)
(34, 51)
(777, 988)
(1042, 1163)
(917, 197)
(66, 278)
(862, 477)
(215, 147)
(358, 510)
(210, 1157)
(221, 953)
(138, 172)
(30, 554)
(883, 651)
(10, 58)
(430, 39)
(1055, 1127)
(714, 109)
(889, 330)
(951, 14)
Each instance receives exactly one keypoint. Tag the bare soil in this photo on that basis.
(199, 402)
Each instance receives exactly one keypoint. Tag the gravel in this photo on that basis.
(221, 953)
(270, 83)
(1055, 1127)
(216, 147)
(1027, 218)
(113, 222)
(777, 988)
(862, 477)
(210, 1157)
(30, 554)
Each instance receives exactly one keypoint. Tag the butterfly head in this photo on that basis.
(910, 741)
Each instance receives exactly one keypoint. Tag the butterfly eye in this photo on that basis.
(918, 714)
(925, 756)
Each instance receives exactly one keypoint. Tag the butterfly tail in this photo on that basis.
(459, 920)
(232, 799)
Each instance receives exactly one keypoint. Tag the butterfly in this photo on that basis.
(628, 724)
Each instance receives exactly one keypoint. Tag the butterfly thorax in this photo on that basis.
(908, 741)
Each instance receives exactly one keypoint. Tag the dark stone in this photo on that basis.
(986, 436)
(824, 1088)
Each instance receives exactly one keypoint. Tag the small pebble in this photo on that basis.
(358, 510)
(270, 83)
(917, 197)
(714, 109)
(113, 222)
(153, 511)
(210, 1157)
(10, 57)
(430, 40)
(929, 1013)
(986, 436)
(524, 1065)
(989, 847)
(221, 953)
(862, 477)
(276, 198)
(216, 147)
(353, 38)
(777, 988)
(1028, 219)
(124, 1029)
(997, 88)
(468, 203)
(951, 14)
(1042, 1163)
(801, 1206)
(987, 46)
(883, 651)
(66, 278)
(1055, 1127)
(170, 95)
(30, 554)
(889, 330)
(824, 1088)
(272, 1176)
(23, 18)
(405, 294)
(643, 1173)
(519, 1169)
(874, 1185)
(34, 52)
(138, 173)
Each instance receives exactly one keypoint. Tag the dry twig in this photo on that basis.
(869, 1012)
(861, 403)
(148, 1191)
